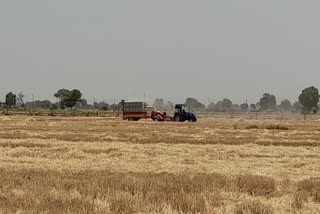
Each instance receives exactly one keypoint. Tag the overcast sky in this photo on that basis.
(171, 49)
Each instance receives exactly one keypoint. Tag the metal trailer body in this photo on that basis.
(134, 107)
(135, 111)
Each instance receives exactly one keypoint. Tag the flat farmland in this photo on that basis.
(107, 165)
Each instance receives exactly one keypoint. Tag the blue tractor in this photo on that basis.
(181, 115)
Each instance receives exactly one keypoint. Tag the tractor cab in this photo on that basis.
(181, 115)
(180, 108)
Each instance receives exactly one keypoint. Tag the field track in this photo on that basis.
(107, 165)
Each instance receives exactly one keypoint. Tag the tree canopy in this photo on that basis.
(285, 105)
(101, 106)
(253, 107)
(194, 105)
(268, 102)
(211, 107)
(244, 107)
(11, 99)
(45, 104)
(309, 99)
(68, 98)
(297, 106)
(224, 105)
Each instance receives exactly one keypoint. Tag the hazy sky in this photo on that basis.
(167, 48)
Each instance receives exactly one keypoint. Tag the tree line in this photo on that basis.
(308, 102)
(71, 99)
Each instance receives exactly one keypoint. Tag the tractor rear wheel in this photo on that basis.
(177, 118)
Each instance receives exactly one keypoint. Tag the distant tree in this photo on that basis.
(44, 104)
(101, 106)
(236, 107)
(224, 105)
(194, 105)
(211, 107)
(244, 107)
(268, 102)
(219, 107)
(68, 98)
(96, 105)
(20, 99)
(62, 95)
(297, 106)
(169, 106)
(309, 99)
(115, 107)
(285, 105)
(11, 100)
(55, 106)
(253, 107)
(83, 104)
(227, 104)
(105, 106)
(159, 104)
(258, 106)
(75, 97)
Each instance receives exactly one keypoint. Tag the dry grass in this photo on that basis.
(269, 127)
(85, 191)
(277, 127)
(299, 199)
(253, 207)
(252, 126)
(102, 191)
(312, 187)
(256, 185)
(107, 165)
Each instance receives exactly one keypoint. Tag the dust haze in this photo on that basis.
(159, 49)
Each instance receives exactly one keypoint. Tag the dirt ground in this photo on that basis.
(107, 165)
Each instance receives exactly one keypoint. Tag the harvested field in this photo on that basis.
(107, 165)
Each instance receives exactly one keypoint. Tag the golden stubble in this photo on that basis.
(287, 152)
